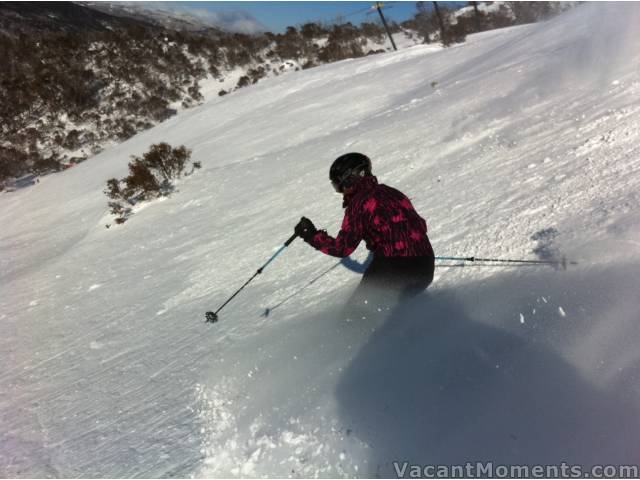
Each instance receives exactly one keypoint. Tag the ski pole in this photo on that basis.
(271, 309)
(212, 317)
(562, 263)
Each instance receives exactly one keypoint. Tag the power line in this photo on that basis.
(357, 12)
(368, 10)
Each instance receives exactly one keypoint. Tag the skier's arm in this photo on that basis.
(344, 244)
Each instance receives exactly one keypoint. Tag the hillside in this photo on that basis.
(78, 80)
(37, 18)
(168, 20)
(520, 143)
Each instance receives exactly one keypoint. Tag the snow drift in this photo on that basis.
(521, 142)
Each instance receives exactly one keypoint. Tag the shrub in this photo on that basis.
(454, 34)
(13, 163)
(500, 19)
(289, 45)
(113, 190)
(47, 165)
(194, 91)
(169, 162)
(343, 42)
(141, 182)
(310, 31)
(256, 74)
(72, 142)
(373, 31)
(126, 129)
(529, 12)
(150, 176)
(243, 81)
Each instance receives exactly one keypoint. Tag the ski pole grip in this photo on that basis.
(291, 239)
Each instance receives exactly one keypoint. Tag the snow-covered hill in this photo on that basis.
(520, 141)
(164, 17)
(70, 96)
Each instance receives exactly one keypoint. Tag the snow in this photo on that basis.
(403, 39)
(110, 371)
(483, 7)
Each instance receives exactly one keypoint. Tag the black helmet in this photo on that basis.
(346, 168)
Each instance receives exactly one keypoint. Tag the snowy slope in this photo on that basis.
(109, 370)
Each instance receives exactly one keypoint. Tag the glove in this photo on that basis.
(305, 229)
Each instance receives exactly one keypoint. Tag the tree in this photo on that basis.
(436, 9)
(424, 22)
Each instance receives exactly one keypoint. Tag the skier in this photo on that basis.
(403, 259)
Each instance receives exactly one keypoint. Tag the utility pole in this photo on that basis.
(477, 15)
(435, 7)
(378, 6)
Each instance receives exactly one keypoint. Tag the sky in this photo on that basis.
(276, 16)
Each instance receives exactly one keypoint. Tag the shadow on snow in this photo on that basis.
(532, 369)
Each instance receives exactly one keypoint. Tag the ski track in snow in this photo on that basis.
(527, 142)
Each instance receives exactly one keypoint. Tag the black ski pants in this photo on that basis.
(391, 279)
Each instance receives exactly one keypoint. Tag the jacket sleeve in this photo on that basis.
(345, 243)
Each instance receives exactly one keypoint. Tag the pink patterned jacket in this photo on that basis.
(381, 216)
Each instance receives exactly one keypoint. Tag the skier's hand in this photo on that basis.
(305, 229)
